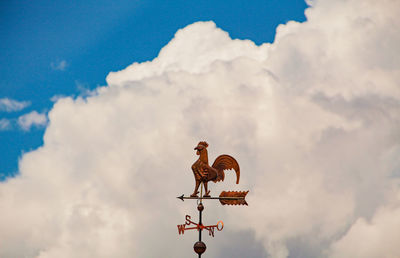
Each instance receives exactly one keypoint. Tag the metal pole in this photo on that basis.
(200, 223)
(200, 213)
(200, 247)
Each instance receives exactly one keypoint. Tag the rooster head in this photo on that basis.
(201, 146)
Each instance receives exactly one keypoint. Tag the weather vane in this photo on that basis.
(204, 173)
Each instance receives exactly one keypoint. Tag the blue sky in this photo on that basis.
(51, 48)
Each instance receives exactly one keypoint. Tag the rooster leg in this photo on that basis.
(196, 188)
(206, 189)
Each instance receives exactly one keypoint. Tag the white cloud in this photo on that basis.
(312, 119)
(32, 119)
(10, 105)
(382, 235)
(55, 98)
(60, 65)
(84, 89)
(4, 124)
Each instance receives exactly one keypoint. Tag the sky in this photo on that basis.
(102, 105)
(46, 45)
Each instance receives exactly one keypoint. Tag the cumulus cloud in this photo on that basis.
(10, 105)
(381, 233)
(312, 119)
(55, 98)
(60, 65)
(5, 124)
(32, 119)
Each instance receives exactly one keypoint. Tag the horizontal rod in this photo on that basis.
(182, 197)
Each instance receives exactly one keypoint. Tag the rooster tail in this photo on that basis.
(220, 176)
(224, 162)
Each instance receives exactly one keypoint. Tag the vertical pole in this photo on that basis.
(199, 246)
(200, 223)
(200, 213)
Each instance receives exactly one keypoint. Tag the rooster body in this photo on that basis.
(203, 172)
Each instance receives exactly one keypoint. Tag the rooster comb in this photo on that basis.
(205, 144)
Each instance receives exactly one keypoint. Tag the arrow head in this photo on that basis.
(180, 197)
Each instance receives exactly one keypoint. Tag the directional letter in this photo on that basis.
(188, 220)
(181, 229)
(211, 231)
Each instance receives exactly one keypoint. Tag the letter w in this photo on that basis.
(181, 229)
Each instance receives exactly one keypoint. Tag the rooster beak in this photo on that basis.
(196, 148)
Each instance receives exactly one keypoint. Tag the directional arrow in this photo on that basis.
(226, 198)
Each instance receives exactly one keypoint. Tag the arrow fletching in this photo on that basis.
(233, 197)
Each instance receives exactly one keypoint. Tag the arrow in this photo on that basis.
(183, 197)
(229, 198)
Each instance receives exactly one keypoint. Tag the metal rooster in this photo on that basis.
(203, 173)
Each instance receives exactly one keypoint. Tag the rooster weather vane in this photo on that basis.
(203, 174)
